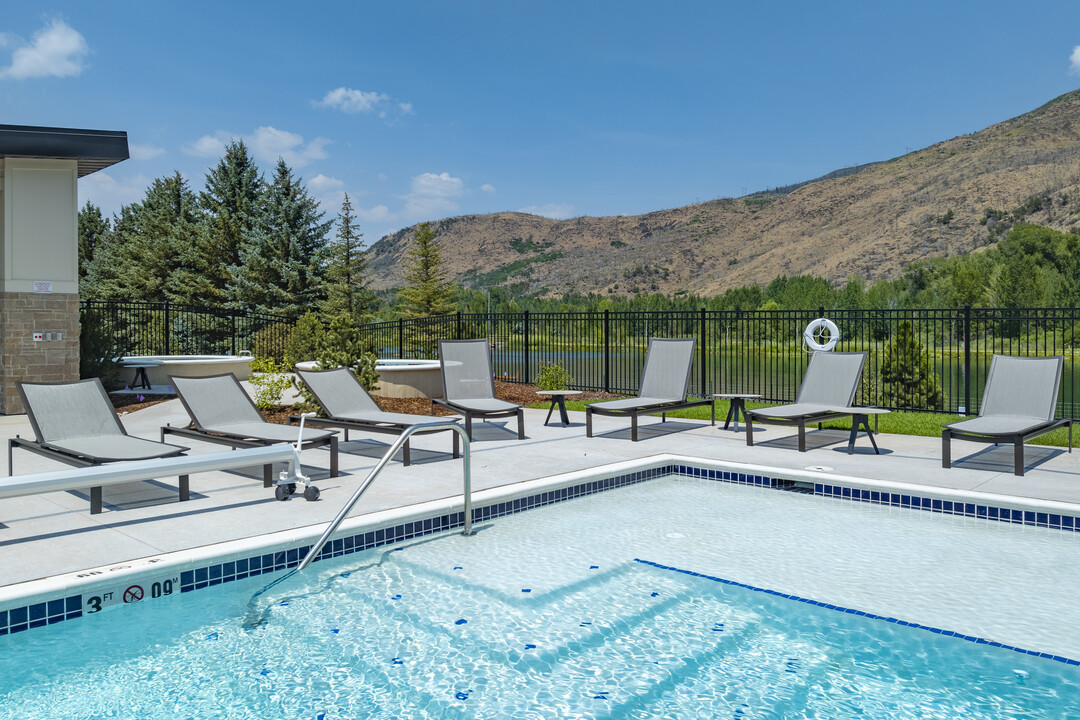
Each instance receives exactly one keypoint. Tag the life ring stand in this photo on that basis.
(813, 332)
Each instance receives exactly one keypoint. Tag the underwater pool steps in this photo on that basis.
(390, 453)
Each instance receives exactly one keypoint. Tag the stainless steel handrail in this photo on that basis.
(418, 427)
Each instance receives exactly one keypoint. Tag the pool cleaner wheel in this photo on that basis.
(281, 492)
(311, 493)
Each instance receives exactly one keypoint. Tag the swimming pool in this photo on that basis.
(588, 609)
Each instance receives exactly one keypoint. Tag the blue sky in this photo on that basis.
(424, 110)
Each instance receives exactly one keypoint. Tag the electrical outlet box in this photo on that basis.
(48, 337)
(38, 337)
(59, 336)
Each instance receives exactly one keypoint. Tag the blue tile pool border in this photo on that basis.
(70, 606)
(871, 616)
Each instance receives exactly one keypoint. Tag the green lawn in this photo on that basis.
(896, 422)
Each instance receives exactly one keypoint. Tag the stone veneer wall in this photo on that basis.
(23, 314)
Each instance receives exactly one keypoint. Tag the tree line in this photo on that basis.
(251, 243)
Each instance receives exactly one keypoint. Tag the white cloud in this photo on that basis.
(55, 51)
(145, 152)
(208, 145)
(1074, 61)
(352, 101)
(433, 195)
(379, 213)
(109, 194)
(550, 210)
(355, 102)
(488, 188)
(266, 143)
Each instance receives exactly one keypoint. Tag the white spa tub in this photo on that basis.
(189, 366)
(403, 378)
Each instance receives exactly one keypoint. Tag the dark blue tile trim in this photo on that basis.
(871, 616)
(17, 619)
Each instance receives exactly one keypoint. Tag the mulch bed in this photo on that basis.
(510, 392)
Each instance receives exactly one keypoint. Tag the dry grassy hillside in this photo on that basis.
(931, 202)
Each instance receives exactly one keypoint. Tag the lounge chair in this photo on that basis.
(665, 380)
(1018, 403)
(75, 423)
(222, 413)
(348, 406)
(468, 384)
(827, 392)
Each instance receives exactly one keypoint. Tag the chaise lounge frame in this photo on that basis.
(656, 381)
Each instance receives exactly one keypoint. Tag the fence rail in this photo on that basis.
(738, 351)
(761, 351)
(163, 328)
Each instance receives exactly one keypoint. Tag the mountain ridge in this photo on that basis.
(869, 220)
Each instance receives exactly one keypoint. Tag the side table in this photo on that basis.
(558, 397)
(861, 416)
(738, 404)
(141, 380)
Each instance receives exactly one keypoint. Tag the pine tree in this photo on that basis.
(346, 276)
(147, 247)
(907, 377)
(427, 291)
(93, 233)
(280, 258)
(230, 201)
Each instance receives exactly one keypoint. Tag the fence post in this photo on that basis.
(607, 351)
(458, 325)
(401, 338)
(525, 374)
(704, 392)
(166, 333)
(967, 359)
(232, 323)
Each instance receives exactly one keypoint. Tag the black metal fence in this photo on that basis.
(928, 359)
(152, 328)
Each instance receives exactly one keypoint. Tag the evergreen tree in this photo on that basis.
(230, 201)
(908, 379)
(93, 233)
(148, 246)
(427, 291)
(280, 258)
(347, 271)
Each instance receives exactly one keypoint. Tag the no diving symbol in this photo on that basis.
(133, 594)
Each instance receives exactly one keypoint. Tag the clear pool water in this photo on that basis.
(552, 614)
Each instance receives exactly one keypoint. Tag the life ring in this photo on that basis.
(815, 329)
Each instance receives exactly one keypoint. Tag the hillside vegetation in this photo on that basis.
(951, 198)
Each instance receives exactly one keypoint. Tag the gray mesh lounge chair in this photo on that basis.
(468, 384)
(348, 406)
(665, 380)
(75, 423)
(827, 392)
(1018, 403)
(223, 413)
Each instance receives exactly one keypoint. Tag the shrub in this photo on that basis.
(553, 376)
(307, 337)
(908, 379)
(269, 379)
(99, 350)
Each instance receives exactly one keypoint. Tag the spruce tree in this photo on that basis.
(230, 201)
(147, 247)
(908, 379)
(93, 233)
(346, 276)
(427, 292)
(280, 258)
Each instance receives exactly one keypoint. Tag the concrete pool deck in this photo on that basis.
(52, 534)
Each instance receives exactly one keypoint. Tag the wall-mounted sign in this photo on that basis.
(43, 286)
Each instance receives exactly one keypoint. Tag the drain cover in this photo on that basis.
(818, 468)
